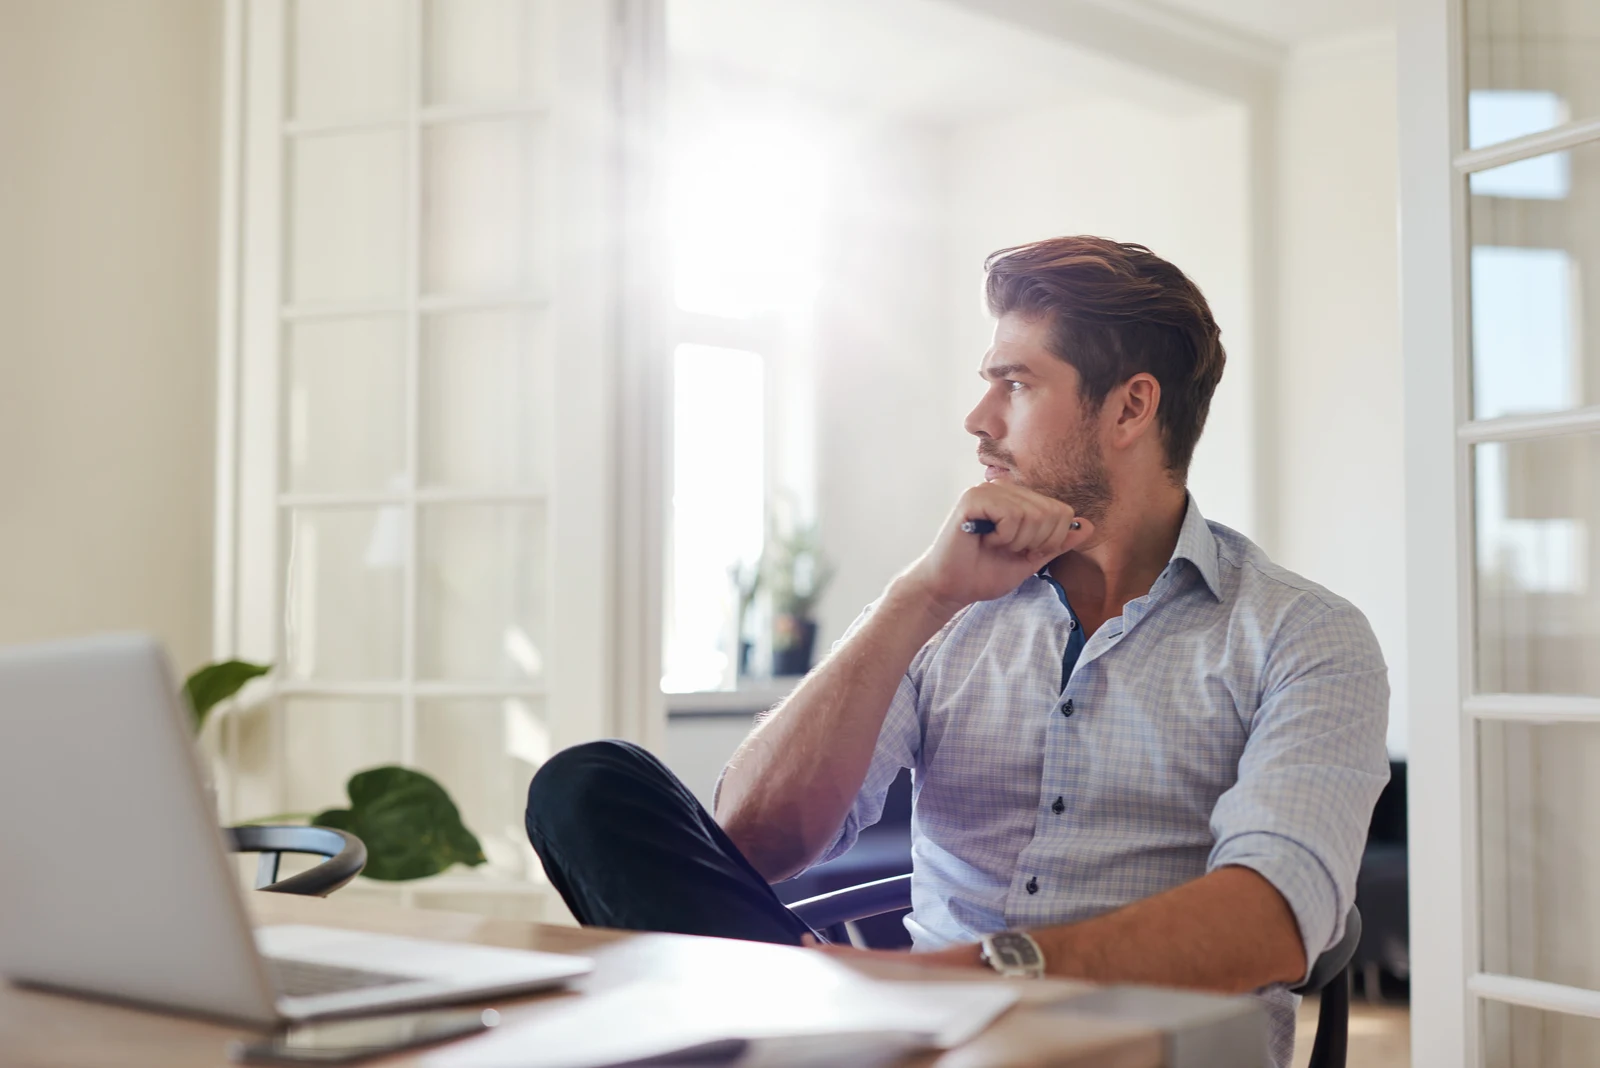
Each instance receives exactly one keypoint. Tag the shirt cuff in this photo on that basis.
(1296, 873)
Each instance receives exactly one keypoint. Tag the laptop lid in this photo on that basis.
(113, 874)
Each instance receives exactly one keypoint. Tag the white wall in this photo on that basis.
(1178, 183)
(884, 434)
(108, 120)
(1340, 504)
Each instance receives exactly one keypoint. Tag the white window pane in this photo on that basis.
(1523, 354)
(481, 602)
(344, 405)
(343, 602)
(484, 231)
(1515, 1036)
(487, 51)
(1538, 613)
(1540, 178)
(347, 218)
(1540, 815)
(718, 509)
(327, 740)
(349, 59)
(1535, 265)
(484, 753)
(1533, 47)
(1495, 115)
(485, 400)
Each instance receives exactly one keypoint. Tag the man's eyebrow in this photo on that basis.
(995, 372)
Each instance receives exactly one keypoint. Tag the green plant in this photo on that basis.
(407, 821)
(215, 683)
(746, 584)
(797, 570)
(409, 824)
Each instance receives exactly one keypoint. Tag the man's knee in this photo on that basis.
(565, 787)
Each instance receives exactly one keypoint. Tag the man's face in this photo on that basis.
(1032, 427)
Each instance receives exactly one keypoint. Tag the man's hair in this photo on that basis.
(1116, 310)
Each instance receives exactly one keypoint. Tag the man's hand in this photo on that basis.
(1030, 530)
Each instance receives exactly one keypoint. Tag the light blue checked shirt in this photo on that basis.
(1235, 714)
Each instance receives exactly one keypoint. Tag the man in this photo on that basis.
(1141, 751)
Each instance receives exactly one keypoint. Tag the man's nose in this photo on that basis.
(980, 422)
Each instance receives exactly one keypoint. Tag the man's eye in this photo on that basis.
(1012, 387)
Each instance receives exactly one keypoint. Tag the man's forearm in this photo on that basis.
(1230, 931)
(792, 781)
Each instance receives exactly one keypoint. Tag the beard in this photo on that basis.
(1072, 470)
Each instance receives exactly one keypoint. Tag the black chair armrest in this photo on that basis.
(855, 902)
(1336, 959)
(346, 854)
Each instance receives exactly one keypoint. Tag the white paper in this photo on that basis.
(855, 1020)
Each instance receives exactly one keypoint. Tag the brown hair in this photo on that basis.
(1116, 310)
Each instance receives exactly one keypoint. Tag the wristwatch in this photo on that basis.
(1013, 953)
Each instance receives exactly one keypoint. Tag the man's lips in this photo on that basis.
(994, 471)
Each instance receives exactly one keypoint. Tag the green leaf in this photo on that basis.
(409, 824)
(215, 683)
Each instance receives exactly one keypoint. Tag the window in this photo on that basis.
(749, 183)
(413, 517)
(718, 512)
(1495, 115)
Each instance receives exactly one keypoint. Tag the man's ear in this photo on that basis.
(1136, 402)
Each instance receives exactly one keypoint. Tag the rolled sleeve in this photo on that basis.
(1311, 771)
(899, 742)
(896, 749)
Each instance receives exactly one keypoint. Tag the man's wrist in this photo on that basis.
(1014, 954)
(907, 596)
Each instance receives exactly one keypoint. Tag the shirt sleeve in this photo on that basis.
(899, 743)
(1313, 766)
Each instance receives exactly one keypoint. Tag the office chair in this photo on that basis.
(835, 915)
(346, 854)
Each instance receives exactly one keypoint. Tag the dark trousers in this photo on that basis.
(628, 846)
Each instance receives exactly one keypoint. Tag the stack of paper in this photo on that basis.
(854, 1021)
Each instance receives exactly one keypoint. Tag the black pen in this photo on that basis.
(986, 526)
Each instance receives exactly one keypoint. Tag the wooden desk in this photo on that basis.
(48, 1031)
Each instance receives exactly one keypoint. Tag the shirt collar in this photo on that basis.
(1198, 545)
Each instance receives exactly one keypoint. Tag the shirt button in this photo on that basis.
(1060, 806)
(1066, 708)
(1033, 884)
(1072, 624)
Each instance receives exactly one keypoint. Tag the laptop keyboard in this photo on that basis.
(303, 979)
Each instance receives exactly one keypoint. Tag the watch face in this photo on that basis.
(1013, 950)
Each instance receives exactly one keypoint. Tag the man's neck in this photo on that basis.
(1133, 544)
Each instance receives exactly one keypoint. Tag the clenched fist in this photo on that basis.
(1030, 530)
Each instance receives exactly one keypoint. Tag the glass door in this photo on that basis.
(1503, 331)
(417, 491)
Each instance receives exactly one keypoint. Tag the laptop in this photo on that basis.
(116, 883)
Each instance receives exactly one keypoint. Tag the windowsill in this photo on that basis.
(752, 696)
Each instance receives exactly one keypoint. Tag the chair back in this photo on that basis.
(1331, 977)
(346, 854)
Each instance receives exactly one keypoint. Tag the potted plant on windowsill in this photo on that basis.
(407, 821)
(797, 574)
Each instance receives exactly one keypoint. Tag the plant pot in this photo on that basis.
(793, 642)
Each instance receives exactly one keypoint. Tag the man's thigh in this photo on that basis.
(627, 845)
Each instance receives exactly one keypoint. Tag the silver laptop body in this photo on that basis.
(115, 881)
